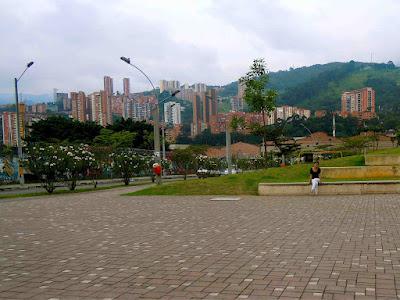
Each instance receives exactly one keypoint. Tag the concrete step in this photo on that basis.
(331, 188)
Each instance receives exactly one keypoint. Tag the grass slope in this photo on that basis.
(246, 183)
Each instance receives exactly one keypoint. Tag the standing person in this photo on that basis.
(314, 178)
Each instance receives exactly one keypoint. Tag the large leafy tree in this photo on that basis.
(143, 137)
(258, 96)
(185, 159)
(57, 129)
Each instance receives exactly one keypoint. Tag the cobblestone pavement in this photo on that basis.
(101, 246)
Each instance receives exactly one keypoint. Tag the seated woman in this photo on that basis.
(314, 178)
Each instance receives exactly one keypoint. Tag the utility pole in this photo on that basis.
(228, 146)
(19, 142)
(334, 125)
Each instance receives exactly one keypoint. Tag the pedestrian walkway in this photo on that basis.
(101, 245)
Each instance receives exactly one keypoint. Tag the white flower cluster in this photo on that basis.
(56, 161)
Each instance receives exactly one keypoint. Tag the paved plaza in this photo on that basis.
(104, 246)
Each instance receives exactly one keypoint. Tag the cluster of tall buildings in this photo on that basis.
(101, 106)
(203, 99)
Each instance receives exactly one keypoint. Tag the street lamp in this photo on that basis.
(19, 143)
(156, 111)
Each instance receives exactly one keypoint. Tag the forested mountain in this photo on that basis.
(321, 86)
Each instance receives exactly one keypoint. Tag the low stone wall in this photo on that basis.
(382, 160)
(360, 172)
(330, 188)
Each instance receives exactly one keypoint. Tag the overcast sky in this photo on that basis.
(74, 43)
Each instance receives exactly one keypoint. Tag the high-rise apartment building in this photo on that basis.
(126, 86)
(286, 111)
(127, 107)
(209, 105)
(38, 108)
(108, 85)
(78, 101)
(100, 108)
(185, 94)
(197, 115)
(236, 104)
(9, 125)
(169, 85)
(359, 103)
(60, 100)
(138, 109)
(172, 113)
(200, 87)
(67, 104)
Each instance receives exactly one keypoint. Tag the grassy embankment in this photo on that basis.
(247, 183)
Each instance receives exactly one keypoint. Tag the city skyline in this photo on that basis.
(63, 39)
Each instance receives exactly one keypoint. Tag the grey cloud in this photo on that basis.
(75, 43)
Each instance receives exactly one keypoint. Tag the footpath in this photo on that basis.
(35, 187)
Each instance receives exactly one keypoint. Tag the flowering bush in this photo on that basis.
(59, 163)
(255, 163)
(47, 164)
(77, 161)
(128, 163)
(210, 163)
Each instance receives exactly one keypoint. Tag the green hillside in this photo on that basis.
(321, 86)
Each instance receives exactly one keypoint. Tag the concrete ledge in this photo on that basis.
(382, 160)
(331, 188)
(360, 172)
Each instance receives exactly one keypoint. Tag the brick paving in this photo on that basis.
(105, 246)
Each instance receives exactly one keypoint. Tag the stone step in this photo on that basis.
(331, 188)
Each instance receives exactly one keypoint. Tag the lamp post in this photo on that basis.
(156, 111)
(19, 143)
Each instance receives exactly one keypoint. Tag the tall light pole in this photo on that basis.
(156, 114)
(19, 143)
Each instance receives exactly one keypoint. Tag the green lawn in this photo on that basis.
(390, 151)
(246, 183)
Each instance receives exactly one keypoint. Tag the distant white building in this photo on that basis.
(172, 113)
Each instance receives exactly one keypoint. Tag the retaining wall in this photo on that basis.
(360, 172)
(330, 188)
(382, 160)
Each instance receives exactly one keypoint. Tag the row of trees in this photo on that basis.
(68, 164)
(123, 133)
(52, 164)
